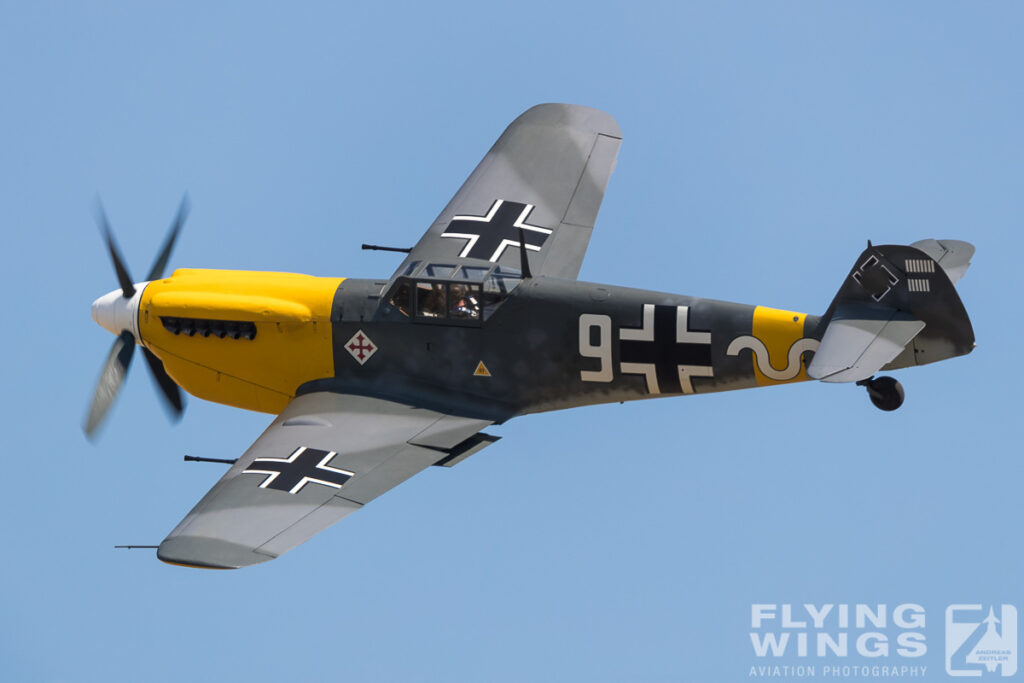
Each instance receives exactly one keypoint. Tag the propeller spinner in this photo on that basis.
(118, 313)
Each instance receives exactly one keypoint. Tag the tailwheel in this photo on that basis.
(885, 392)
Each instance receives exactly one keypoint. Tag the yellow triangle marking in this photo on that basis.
(481, 370)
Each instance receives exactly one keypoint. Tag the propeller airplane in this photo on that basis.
(372, 381)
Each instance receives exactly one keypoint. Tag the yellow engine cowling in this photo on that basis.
(190, 321)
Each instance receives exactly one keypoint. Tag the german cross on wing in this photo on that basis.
(489, 235)
(304, 466)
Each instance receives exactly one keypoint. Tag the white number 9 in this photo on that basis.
(602, 350)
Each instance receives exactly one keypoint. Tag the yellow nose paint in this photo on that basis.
(292, 345)
(779, 331)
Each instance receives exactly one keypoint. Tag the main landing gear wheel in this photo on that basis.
(885, 392)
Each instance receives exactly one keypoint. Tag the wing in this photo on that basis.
(546, 174)
(323, 458)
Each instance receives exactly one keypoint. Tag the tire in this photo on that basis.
(886, 393)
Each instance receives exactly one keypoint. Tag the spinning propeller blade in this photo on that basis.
(111, 379)
(116, 367)
(157, 271)
(168, 389)
(123, 278)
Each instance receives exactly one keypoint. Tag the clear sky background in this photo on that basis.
(764, 143)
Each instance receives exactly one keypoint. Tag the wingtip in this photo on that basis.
(190, 566)
(575, 115)
(198, 552)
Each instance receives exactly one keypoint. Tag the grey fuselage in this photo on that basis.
(553, 344)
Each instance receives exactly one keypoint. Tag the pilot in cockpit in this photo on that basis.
(463, 303)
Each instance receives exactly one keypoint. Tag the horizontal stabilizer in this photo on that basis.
(860, 340)
(953, 255)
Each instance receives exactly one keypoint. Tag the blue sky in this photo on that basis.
(763, 144)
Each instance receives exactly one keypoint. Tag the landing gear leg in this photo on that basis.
(885, 392)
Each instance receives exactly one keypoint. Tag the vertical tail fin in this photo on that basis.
(897, 307)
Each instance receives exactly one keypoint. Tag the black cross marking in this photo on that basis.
(666, 353)
(304, 466)
(488, 235)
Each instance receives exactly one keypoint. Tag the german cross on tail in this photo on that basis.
(372, 381)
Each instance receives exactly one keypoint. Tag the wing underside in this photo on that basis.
(323, 458)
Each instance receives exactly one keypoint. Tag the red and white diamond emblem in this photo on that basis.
(361, 347)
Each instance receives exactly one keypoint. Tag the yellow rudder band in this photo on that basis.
(779, 331)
